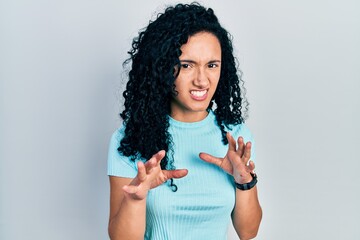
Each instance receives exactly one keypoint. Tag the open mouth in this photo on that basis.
(199, 95)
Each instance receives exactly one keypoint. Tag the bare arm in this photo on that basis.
(127, 216)
(247, 213)
(128, 198)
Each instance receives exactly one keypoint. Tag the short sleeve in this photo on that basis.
(118, 164)
(243, 131)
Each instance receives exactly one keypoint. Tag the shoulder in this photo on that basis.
(118, 164)
(241, 130)
(117, 135)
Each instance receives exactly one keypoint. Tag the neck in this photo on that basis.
(189, 117)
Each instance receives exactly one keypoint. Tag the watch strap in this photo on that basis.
(249, 185)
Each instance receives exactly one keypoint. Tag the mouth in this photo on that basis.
(199, 94)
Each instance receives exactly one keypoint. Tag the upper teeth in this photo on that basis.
(199, 93)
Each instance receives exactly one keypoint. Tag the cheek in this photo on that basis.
(185, 75)
(178, 86)
(182, 81)
(215, 80)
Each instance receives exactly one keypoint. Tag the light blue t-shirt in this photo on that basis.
(201, 208)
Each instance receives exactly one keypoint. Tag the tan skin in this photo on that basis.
(196, 84)
(247, 213)
(128, 197)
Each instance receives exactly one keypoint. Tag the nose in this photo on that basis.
(201, 79)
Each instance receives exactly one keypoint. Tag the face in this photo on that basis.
(198, 77)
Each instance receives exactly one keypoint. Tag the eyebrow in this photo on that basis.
(192, 61)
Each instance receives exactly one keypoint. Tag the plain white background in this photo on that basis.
(60, 94)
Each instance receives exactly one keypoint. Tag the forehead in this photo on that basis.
(201, 45)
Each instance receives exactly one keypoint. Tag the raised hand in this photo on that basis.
(236, 161)
(150, 176)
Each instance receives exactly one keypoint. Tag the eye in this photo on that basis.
(212, 65)
(185, 65)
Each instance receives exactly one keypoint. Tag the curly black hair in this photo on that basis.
(154, 55)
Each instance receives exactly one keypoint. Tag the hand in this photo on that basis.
(236, 161)
(150, 176)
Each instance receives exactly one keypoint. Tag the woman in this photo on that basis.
(176, 170)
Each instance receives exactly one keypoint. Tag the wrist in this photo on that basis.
(242, 179)
(134, 200)
(248, 184)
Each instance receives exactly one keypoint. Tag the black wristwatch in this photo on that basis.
(249, 185)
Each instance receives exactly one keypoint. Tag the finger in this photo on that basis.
(178, 173)
(250, 166)
(159, 156)
(141, 171)
(247, 152)
(232, 142)
(152, 163)
(210, 159)
(241, 146)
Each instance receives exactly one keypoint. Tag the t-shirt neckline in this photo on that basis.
(207, 120)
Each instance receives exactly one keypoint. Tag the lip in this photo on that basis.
(199, 98)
